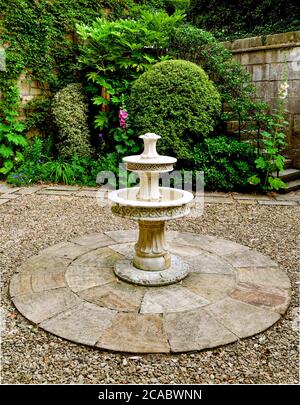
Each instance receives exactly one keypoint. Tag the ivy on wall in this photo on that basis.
(39, 38)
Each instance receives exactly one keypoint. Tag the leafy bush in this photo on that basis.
(176, 100)
(12, 140)
(69, 111)
(37, 167)
(226, 162)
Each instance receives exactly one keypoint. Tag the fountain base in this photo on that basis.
(177, 271)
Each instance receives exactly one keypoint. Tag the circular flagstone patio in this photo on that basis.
(70, 290)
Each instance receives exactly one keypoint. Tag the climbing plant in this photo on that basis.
(12, 140)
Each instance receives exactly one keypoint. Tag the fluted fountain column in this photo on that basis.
(151, 249)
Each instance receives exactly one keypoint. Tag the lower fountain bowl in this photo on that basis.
(126, 271)
(174, 204)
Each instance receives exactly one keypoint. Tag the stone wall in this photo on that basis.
(267, 58)
(30, 90)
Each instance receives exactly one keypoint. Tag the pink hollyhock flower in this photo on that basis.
(123, 115)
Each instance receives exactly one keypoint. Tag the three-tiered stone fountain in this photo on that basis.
(151, 205)
(70, 289)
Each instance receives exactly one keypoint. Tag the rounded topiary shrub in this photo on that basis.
(176, 100)
(70, 112)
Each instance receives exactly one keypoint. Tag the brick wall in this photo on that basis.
(267, 58)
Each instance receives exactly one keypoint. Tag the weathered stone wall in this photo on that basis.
(30, 90)
(269, 59)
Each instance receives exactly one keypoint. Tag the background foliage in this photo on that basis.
(231, 20)
(106, 46)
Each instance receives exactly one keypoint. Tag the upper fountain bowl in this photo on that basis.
(150, 160)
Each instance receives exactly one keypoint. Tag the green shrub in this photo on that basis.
(176, 100)
(70, 111)
(37, 166)
(226, 162)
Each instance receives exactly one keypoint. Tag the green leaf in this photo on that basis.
(99, 100)
(6, 168)
(279, 162)
(101, 120)
(19, 157)
(6, 151)
(276, 183)
(261, 163)
(18, 140)
(254, 180)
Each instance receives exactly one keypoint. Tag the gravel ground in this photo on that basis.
(31, 355)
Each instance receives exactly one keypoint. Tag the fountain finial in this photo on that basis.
(150, 151)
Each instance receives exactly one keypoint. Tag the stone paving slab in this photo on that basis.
(219, 200)
(44, 264)
(209, 263)
(247, 202)
(223, 247)
(93, 241)
(116, 295)
(184, 250)
(43, 305)
(82, 324)
(190, 239)
(81, 278)
(67, 250)
(63, 188)
(287, 197)
(240, 318)
(45, 281)
(5, 189)
(212, 287)
(136, 333)
(251, 197)
(195, 330)
(60, 193)
(174, 298)
(129, 235)
(276, 299)
(210, 243)
(102, 257)
(270, 276)
(81, 299)
(20, 284)
(86, 193)
(249, 258)
(125, 249)
(28, 190)
(9, 196)
(280, 203)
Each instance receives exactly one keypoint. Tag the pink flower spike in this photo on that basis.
(122, 118)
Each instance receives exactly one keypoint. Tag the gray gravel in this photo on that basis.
(31, 355)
